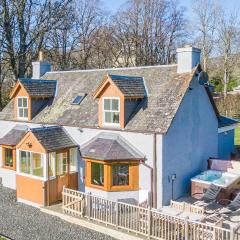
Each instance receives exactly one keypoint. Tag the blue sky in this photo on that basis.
(113, 5)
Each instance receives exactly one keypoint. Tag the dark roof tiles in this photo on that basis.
(53, 138)
(106, 146)
(39, 88)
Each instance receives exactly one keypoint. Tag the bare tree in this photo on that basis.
(25, 23)
(207, 14)
(228, 44)
(148, 30)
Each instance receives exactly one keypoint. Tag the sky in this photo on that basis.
(113, 5)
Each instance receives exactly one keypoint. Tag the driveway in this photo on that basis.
(21, 222)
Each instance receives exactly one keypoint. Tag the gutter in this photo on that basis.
(155, 170)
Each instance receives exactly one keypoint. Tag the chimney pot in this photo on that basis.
(188, 57)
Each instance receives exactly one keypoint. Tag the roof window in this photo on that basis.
(78, 99)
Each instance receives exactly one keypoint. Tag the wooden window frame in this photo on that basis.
(133, 175)
(22, 118)
(111, 111)
(4, 160)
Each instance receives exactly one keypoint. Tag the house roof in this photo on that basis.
(13, 137)
(39, 88)
(108, 146)
(226, 121)
(154, 113)
(130, 86)
(53, 138)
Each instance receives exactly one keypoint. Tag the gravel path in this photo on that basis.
(21, 222)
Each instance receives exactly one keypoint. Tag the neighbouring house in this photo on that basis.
(136, 133)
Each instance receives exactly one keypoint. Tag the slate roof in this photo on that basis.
(226, 121)
(165, 91)
(13, 137)
(53, 138)
(108, 146)
(39, 88)
(130, 86)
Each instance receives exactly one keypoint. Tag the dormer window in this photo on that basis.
(22, 108)
(111, 111)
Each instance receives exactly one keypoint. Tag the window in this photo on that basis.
(22, 108)
(8, 157)
(78, 99)
(97, 174)
(61, 163)
(73, 159)
(25, 162)
(111, 111)
(120, 175)
(51, 165)
(31, 163)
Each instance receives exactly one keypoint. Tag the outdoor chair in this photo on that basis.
(209, 196)
(232, 207)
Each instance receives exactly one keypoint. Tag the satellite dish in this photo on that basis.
(202, 78)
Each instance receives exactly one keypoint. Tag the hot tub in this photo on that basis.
(219, 178)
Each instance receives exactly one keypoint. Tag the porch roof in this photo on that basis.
(13, 137)
(110, 147)
(53, 138)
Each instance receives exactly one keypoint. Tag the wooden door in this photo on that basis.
(62, 173)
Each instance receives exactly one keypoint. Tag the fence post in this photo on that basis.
(186, 228)
(89, 206)
(116, 214)
(63, 199)
(149, 222)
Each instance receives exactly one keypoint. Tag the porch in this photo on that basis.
(46, 161)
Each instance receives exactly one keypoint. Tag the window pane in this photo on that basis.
(73, 160)
(20, 112)
(115, 106)
(120, 175)
(8, 157)
(24, 162)
(59, 164)
(108, 117)
(25, 112)
(115, 117)
(24, 102)
(106, 104)
(51, 167)
(37, 165)
(20, 102)
(97, 174)
(64, 158)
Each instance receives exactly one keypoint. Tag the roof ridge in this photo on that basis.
(114, 69)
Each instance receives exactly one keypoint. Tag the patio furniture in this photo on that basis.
(209, 196)
(233, 205)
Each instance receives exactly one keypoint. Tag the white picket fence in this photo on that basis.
(143, 221)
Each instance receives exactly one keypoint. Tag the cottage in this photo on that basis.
(135, 133)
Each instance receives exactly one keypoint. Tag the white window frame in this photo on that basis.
(18, 117)
(103, 110)
(43, 156)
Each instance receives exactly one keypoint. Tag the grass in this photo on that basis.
(237, 136)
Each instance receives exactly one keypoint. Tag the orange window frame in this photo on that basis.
(4, 157)
(108, 186)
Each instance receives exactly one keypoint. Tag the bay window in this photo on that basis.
(120, 175)
(111, 110)
(97, 174)
(8, 157)
(22, 108)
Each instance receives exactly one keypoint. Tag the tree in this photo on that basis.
(207, 14)
(228, 44)
(147, 31)
(25, 24)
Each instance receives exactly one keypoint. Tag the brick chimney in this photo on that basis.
(40, 67)
(187, 58)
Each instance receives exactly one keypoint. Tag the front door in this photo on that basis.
(62, 176)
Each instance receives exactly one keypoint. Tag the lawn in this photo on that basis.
(237, 136)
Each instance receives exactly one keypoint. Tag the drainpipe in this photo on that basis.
(155, 170)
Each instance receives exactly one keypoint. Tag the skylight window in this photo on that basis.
(78, 99)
